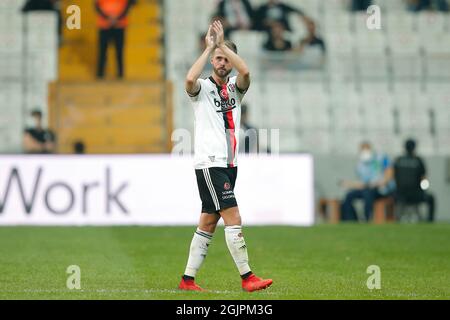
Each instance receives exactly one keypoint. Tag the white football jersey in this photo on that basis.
(217, 114)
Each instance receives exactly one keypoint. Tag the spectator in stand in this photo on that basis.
(419, 5)
(275, 11)
(235, 15)
(276, 40)
(312, 38)
(360, 5)
(36, 139)
(112, 21)
(311, 49)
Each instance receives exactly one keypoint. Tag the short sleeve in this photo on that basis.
(240, 93)
(194, 97)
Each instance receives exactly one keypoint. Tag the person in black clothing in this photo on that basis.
(275, 11)
(360, 5)
(111, 26)
(37, 139)
(419, 5)
(409, 171)
(312, 39)
(276, 40)
(79, 147)
(235, 15)
(36, 5)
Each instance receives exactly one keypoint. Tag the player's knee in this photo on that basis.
(231, 216)
(208, 226)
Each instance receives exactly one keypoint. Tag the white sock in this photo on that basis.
(198, 251)
(238, 249)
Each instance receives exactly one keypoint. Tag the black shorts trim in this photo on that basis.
(216, 188)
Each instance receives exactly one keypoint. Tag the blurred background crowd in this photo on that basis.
(364, 102)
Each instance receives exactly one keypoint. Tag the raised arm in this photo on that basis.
(192, 84)
(243, 78)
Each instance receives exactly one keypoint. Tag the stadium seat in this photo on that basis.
(442, 145)
(371, 51)
(337, 21)
(340, 55)
(346, 142)
(289, 141)
(399, 22)
(379, 118)
(249, 42)
(316, 141)
(335, 6)
(12, 42)
(405, 56)
(116, 116)
(431, 22)
(437, 55)
(384, 140)
(11, 139)
(441, 103)
(314, 110)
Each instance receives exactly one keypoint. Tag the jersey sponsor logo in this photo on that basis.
(225, 105)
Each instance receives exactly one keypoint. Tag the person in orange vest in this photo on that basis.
(111, 21)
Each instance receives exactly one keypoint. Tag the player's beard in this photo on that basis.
(222, 73)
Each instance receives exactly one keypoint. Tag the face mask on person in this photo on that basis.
(366, 155)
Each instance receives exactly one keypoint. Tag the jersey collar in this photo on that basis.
(214, 81)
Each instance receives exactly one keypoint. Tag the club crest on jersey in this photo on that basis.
(227, 186)
(224, 94)
(232, 87)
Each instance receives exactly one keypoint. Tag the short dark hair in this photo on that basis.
(78, 147)
(410, 146)
(36, 113)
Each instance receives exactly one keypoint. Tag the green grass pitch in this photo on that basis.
(321, 262)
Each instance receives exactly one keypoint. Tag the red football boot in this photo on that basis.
(253, 283)
(189, 285)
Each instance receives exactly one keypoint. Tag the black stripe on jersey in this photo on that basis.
(230, 156)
